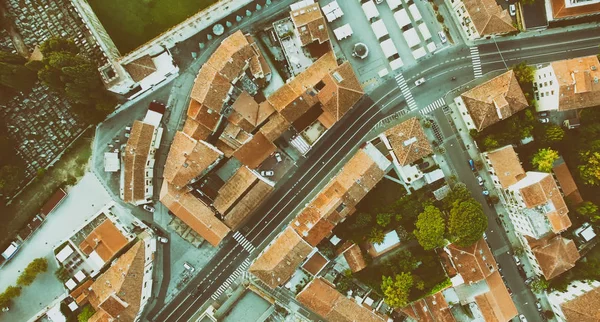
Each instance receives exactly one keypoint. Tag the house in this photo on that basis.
(568, 84)
(431, 308)
(136, 181)
(566, 181)
(124, 289)
(551, 255)
(481, 18)
(534, 202)
(491, 102)
(278, 262)
(478, 283)
(355, 259)
(570, 9)
(322, 298)
(579, 302)
(57, 197)
(309, 23)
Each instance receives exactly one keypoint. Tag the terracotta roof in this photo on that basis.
(118, 291)
(233, 189)
(488, 17)
(559, 9)
(507, 165)
(81, 292)
(315, 263)
(207, 117)
(355, 258)
(106, 239)
(194, 213)
(310, 24)
(554, 253)
(583, 308)
(280, 259)
(54, 201)
(274, 127)
(247, 204)
(140, 68)
(251, 111)
(195, 130)
(320, 297)
(187, 159)
(135, 158)
(496, 304)
(255, 151)
(566, 182)
(578, 81)
(342, 90)
(433, 308)
(494, 100)
(545, 191)
(408, 141)
(473, 263)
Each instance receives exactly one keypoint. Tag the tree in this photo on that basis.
(403, 261)
(589, 171)
(376, 236)
(86, 313)
(467, 222)
(539, 285)
(396, 290)
(588, 209)
(490, 143)
(544, 159)
(494, 199)
(9, 293)
(38, 265)
(430, 228)
(458, 194)
(384, 219)
(10, 176)
(554, 133)
(63, 275)
(524, 73)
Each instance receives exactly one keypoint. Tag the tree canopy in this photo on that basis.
(523, 72)
(589, 171)
(467, 222)
(588, 209)
(397, 289)
(544, 159)
(431, 228)
(376, 236)
(384, 219)
(554, 133)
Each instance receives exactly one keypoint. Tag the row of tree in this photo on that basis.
(33, 269)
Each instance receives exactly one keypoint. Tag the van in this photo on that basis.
(472, 164)
(189, 267)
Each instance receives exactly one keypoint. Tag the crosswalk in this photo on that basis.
(476, 62)
(239, 271)
(433, 106)
(410, 101)
(243, 241)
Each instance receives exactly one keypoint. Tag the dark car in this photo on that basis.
(472, 164)
(424, 165)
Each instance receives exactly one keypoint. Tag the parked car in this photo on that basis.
(480, 180)
(127, 128)
(485, 192)
(545, 120)
(472, 165)
(517, 260)
(442, 37)
(424, 165)
(498, 221)
(538, 305)
(148, 208)
(189, 267)
(522, 318)
(278, 157)
(543, 114)
(267, 173)
(163, 240)
(127, 135)
(512, 9)
(420, 81)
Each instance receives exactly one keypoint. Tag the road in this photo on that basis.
(349, 132)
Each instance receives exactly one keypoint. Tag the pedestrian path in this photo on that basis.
(243, 241)
(433, 106)
(410, 101)
(476, 62)
(239, 271)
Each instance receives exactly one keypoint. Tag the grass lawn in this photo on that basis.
(69, 168)
(132, 23)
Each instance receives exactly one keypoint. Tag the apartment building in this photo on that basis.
(481, 18)
(579, 302)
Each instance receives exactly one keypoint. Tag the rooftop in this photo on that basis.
(564, 9)
(554, 253)
(106, 240)
(473, 263)
(488, 17)
(433, 308)
(135, 158)
(584, 308)
(355, 258)
(496, 304)
(310, 24)
(408, 141)
(494, 100)
(507, 165)
(579, 82)
(566, 181)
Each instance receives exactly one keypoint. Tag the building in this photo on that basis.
(137, 175)
(123, 290)
(568, 84)
(491, 102)
(431, 308)
(534, 202)
(482, 18)
(551, 255)
(323, 299)
(278, 262)
(309, 23)
(570, 9)
(566, 182)
(580, 302)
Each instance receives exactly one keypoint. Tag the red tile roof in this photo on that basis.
(554, 254)
(496, 304)
(433, 308)
(135, 158)
(310, 24)
(53, 202)
(355, 258)
(567, 183)
(578, 81)
(106, 240)
(408, 141)
(560, 10)
(583, 308)
(473, 263)
(488, 17)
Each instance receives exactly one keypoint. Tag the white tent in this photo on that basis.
(402, 18)
(388, 48)
(379, 29)
(393, 4)
(412, 38)
(370, 10)
(342, 32)
(111, 162)
(431, 47)
(414, 11)
(419, 52)
(64, 254)
(332, 11)
(396, 63)
(424, 31)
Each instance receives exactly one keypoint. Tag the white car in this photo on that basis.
(442, 37)
(267, 173)
(522, 318)
(512, 9)
(148, 208)
(545, 120)
(480, 180)
(420, 81)
(163, 240)
(278, 157)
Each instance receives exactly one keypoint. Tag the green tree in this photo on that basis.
(494, 199)
(467, 222)
(490, 143)
(554, 133)
(539, 285)
(589, 171)
(396, 290)
(10, 176)
(544, 159)
(524, 73)
(9, 293)
(63, 275)
(384, 219)
(86, 313)
(588, 209)
(431, 228)
(38, 265)
(376, 236)
(458, 194)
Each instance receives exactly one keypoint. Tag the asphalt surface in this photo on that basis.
(347, 135)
